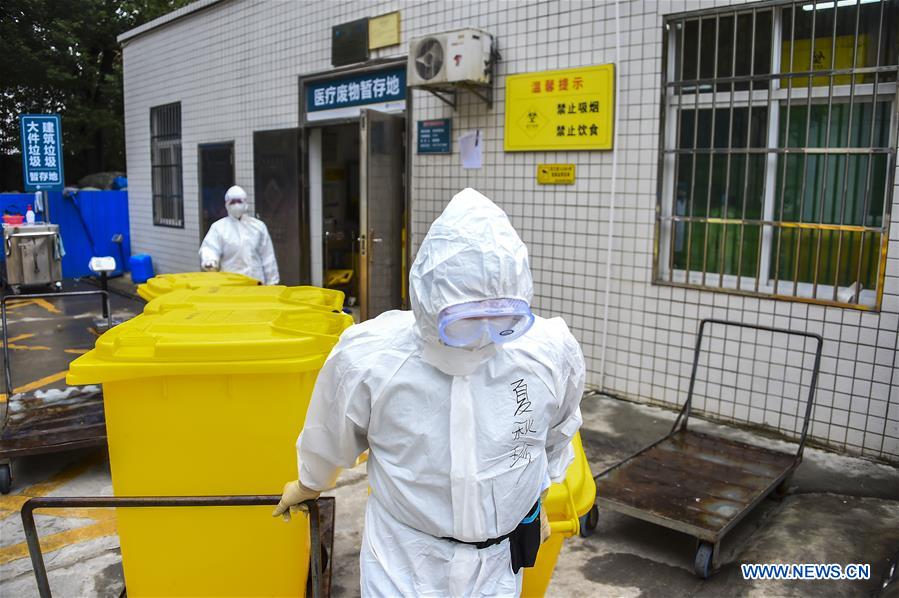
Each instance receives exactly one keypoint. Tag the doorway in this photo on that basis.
(358, 206)
(216, 162)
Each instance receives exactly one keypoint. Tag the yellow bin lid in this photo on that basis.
(211, 342)
(258, 297)
(166, 283)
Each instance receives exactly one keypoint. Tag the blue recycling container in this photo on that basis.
(141, 268)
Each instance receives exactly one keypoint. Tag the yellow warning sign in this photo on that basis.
(570, 109)
(384, 31)
(555, 174)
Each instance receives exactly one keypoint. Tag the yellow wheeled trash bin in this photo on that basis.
(166, 283)
(209, 402)
(567, 505)
(243, 297)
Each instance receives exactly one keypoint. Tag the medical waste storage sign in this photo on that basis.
(570, 109)
(41, 151)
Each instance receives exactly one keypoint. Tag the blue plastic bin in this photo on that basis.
(141, 268)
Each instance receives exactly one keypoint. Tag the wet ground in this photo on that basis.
(838, 509)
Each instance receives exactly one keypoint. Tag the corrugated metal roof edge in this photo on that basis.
(165, 19)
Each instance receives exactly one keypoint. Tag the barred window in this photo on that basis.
(779, 148)
(165, 164)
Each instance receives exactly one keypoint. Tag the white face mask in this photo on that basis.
(237, 209)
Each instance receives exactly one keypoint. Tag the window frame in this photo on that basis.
(165, 136)
(773, 98)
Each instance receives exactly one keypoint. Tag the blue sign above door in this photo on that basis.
(373, 87)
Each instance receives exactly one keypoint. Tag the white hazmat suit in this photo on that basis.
(461, 441)
(240, 243)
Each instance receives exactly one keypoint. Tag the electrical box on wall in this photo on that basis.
(463, 56)
(349, 42)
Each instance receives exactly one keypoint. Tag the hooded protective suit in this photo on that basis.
(461, 441)
(240, 243)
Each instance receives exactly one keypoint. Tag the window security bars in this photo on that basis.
(779, 130)
(165, 165)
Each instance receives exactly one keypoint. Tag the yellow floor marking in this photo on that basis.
(26, 348)
(104, 527)
(47, 305)
(14, 502)
(104, 522)
(77, 351)
(23, 337)
(19, 303)
(38, 383)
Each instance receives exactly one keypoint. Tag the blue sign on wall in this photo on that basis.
(41, 152)
(375, 87)
(434, 136)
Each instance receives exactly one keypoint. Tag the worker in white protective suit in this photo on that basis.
(240, 243)
(467, 404)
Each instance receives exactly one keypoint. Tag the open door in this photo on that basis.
(216, 176)
(381, 209)
(278, 203)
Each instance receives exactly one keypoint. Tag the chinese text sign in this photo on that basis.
(41, 151)
(570, 109)
(369, 88)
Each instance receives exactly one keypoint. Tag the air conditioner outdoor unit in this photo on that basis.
(442, 59)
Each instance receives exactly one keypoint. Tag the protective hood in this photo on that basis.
(470, 253)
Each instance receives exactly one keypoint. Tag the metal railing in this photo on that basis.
(37, 558)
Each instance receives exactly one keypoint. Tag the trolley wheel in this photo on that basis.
(589, 522)
(57, 285)
(702, 562)
(16, 289)
(5, 478)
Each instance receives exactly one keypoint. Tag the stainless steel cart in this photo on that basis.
(703, 484)
(33, 256)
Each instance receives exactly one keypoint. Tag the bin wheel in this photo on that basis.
(5, 478)
(589, 522)
(57, 285)
(702, 562)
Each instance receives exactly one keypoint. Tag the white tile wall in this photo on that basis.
(234, 67)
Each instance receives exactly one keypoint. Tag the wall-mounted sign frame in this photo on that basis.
(569, 109)
(435, 136)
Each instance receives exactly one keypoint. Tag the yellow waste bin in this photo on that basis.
(209, 402)
(166, 283)
(565, 504)
(278, 297)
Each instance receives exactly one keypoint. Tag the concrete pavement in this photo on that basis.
(839, 509)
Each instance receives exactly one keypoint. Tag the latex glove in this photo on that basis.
(210, 265)
(545, 530)
(293, 494)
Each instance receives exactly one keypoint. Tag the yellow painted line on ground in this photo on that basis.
(23, 337)
(47, 305)
(104, 527)
(14, 502)
(38, 383)
(77, 351)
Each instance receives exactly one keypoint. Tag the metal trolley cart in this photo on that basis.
(703, 484)
(321, 513)
(34, 424)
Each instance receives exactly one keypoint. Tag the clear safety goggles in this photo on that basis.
(503, 320)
